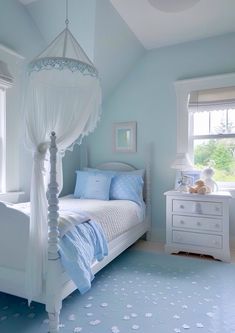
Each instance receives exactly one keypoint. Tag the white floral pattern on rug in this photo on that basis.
(139, 292)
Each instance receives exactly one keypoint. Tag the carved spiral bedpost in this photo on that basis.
(53, 204)
(53, 299)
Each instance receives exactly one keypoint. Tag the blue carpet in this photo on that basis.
(139, 292)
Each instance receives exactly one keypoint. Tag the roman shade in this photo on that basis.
(212, 99)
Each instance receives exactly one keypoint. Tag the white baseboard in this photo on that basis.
(232, 242)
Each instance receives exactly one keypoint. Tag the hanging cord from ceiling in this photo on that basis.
(67, 24)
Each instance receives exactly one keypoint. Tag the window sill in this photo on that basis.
(231, 191)
(12, 197)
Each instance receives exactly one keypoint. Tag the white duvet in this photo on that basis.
(115, 216)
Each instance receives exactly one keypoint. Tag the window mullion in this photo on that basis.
(227, 120)
(210, 122)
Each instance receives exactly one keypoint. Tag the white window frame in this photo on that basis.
(4, 85)
(9, 172)
(2, 138)
(183, 88)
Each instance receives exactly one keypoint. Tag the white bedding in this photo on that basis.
(115, 217)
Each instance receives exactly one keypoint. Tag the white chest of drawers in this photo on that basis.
(198, 223)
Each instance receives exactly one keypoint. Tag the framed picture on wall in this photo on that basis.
(124, 137)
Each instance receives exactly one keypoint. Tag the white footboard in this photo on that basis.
(14, 231)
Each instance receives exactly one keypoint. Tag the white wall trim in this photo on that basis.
(232, 243)
(183, 89)
(13, 197)
(11, 52)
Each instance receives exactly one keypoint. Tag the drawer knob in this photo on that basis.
(182, 206)
(217, 209)
(181, 221)
(198, 208)
(198, 224)
(217, 225)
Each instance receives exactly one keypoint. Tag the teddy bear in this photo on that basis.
(207, 175)
(199, 187)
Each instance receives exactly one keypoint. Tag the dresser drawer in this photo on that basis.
(199, 223)
(197, 239)
(197, 207)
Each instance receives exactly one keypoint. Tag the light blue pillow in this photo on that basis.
(81, 181)
(97, 187)
(92, 185)
(127, 187)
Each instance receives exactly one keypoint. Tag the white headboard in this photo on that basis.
(116, 166)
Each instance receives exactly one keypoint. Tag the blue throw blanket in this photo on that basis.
(79, 247)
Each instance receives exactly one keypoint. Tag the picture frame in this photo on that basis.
(124, 137)
(191, 177)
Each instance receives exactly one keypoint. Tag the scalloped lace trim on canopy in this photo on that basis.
(62, 63)
(89, 131)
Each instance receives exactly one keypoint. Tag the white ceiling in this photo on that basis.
(155, 28)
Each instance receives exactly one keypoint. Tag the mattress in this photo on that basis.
(115, 216)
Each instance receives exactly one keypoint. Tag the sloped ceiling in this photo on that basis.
(173, 21)
(164, 25)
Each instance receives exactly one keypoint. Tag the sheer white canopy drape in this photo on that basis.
(63, 95)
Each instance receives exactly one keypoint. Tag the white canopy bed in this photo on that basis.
(56, 284)
(62, 105)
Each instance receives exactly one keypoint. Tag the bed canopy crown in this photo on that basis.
(63, 95)
(64, 52)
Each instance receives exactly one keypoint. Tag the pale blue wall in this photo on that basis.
(147, 96)
(116, 48)
(17, 30)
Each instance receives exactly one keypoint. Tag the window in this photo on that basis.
(212, 132)
(5, 82)
(184, 90)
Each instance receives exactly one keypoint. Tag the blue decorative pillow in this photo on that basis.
(127, 187)
(92, 185)
(97, 187)
(81, 181)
